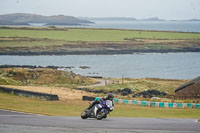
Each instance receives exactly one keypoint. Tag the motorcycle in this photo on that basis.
(98, 111)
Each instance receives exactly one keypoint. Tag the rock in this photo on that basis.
(125, 91)
(150, 93)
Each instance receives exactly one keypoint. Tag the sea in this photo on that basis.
(136, 65)
(147, 65)
(180, 26)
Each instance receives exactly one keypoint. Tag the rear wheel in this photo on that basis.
(84, 115)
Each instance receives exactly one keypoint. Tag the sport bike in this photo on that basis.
(98, 111)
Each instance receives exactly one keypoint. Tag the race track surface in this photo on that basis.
(14, 122)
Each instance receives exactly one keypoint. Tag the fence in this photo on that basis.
(156, 104)
(18, 92)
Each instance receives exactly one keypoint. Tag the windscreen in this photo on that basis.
(109, 103)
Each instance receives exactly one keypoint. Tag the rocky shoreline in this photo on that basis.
(34, 66)
(100, 52)
(30, 66)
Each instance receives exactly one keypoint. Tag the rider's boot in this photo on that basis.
(91, 105)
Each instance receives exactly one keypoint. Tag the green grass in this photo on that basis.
(74, 108)
(86, 40)
(95, 34)
(150, 112)
(39, 106)
(30, 43)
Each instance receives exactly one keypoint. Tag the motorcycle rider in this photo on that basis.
(110, 97)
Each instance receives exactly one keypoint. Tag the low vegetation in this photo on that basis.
(139, 85)
(42, 77)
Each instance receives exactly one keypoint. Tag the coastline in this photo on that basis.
(100, 52)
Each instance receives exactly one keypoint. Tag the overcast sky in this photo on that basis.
(164, 9)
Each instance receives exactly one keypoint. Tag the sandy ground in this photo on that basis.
(101, 82)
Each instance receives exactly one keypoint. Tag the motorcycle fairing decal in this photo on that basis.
(99, 106)
(95, 110)
(102, 110)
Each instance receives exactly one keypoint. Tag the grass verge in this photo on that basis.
(39, 106)
(75, 107)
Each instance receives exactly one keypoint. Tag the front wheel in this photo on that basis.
(84, 115)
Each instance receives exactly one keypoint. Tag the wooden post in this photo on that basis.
(122, 79)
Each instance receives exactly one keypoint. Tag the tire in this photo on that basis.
(84, 115)
(101, 115)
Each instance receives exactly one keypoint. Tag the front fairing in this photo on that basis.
(109, 103)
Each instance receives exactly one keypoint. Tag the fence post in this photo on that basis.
(153, 104)
(170, 105)
(189, 105)
(198, 106)
(179, 105)
(116, 100)
(125, 101)
(161, 105)
(143, 103)
(134, 102)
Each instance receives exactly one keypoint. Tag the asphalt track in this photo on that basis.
(15, 122)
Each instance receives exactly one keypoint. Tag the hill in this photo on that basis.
(27, 19)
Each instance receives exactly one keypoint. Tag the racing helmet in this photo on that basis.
(110, 96)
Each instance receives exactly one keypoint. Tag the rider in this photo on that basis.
(110, 97)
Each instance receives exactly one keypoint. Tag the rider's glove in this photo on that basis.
(112, 108)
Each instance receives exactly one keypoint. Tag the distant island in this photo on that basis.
(40, 20)
(194, 20)
(129, 19)
(120, 19)
(108, 19)
(31, 19)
